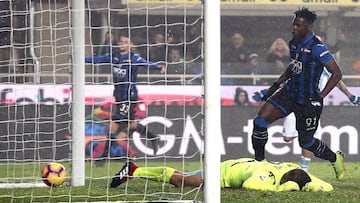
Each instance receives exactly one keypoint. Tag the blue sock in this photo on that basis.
(304, 163)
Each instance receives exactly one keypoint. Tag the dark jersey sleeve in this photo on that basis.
(140, 61)
(98, 59)
(322, 53)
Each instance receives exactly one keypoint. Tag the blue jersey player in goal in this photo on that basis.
(296, 90)
(125, 65)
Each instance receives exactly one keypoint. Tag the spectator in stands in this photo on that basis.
(175, 65)
(175, 41)
(236, 53)
(194, 53)
(194, 44)
(158, 48)
(171, 40)
(254, 64)
(279, 55)
(170, 37)
(175, 56)
(106, 46)
(241, 97)
(255, 68)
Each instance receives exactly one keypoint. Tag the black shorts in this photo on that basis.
(125, 111)
(307, 115)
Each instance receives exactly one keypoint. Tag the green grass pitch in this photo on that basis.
(141, 189)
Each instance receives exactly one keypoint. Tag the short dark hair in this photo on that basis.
(299, 176)
(309, 16)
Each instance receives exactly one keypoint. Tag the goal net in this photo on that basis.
(39, 80)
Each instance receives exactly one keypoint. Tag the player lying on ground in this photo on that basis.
(244, 173)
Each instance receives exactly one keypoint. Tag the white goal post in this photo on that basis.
(78, 96)
(212, 101)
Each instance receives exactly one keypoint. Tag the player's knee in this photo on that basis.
(140, 128)
(260, 122)
(134, 125)
(122, 128)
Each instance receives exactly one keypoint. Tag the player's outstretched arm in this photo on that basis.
(334, 79)
(353, 99)
(148, 64)
(98, 59)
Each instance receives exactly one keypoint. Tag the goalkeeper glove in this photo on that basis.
(289, 186)
(354, 99)
(266, 93)
(259, 95)
(312, 187)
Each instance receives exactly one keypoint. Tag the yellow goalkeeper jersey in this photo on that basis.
(262, 175)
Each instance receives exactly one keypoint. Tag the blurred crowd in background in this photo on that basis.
(254, 49)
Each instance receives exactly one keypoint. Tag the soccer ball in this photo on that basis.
(53, 174)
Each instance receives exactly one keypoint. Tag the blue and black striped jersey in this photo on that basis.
(308, 58)
(124, 69)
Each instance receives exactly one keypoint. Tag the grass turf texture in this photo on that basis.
(139, 189)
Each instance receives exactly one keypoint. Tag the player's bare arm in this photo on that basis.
(341, 85)
(335, 77)
(353, 98)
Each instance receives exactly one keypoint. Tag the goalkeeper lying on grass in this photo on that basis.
(241, 173)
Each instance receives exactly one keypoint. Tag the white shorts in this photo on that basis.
(289, 126)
